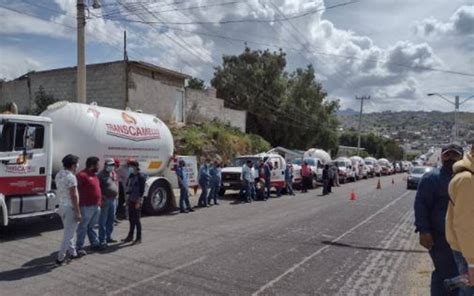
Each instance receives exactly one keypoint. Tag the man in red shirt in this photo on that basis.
(90, 200)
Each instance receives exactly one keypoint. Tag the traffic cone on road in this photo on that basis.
(378, 185)
(353, 195)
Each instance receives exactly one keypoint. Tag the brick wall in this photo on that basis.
(204, 106)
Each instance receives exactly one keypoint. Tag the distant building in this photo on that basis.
(119, 84)
(347, 151)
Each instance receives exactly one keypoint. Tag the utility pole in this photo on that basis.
(81, 55)
(125, 65)
(360, 120)
(81, 51)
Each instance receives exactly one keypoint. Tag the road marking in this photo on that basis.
(306, 259)
(166, 272)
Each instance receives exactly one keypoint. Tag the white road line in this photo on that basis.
(306, 259)
(166, 272)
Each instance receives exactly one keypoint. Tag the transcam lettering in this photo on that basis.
(133, 133)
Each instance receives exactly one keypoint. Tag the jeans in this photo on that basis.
(184, 198)
(106, 219)
(463, 269)
(253, 191)
(134, 219)
(90, 217)
(445, 267)
(70, 227)
(289, 187)
(203, 198)
(247, 191)
(214, 194)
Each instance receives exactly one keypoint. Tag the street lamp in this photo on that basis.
(456, 104)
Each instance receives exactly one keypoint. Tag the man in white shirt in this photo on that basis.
(66, 184)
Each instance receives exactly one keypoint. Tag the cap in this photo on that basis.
(116, 162)
(109, 161)
(452, 147)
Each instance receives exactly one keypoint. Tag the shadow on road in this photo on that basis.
(31, 227)
(31, 268)
(370, 248)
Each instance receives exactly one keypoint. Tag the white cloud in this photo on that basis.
(460, 23)
(15, 63)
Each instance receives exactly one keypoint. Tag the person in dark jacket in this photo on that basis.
(204, 179)
(183, 183)
(216, 177)
(326, 180)
(267, 174)
(135, 191)
(431, 204)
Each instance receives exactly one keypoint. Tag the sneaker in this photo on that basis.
(127, 239)
(102, 247)
(96, 247)
(190, 210)
(183, 212)
(111, 241)
(60, 262)
(216, 203)
(137, 242)
(81, 253)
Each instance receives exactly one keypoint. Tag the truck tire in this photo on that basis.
(159, 197)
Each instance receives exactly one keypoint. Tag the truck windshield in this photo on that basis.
(7, 132)
(18, 136)
(238, 162)
(340, 163)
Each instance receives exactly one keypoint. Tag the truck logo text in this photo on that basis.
(20, 169)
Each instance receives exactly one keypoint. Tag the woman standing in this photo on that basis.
(135, 191)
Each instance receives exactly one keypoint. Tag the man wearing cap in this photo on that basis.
(431, 204)
(110, 189)
(460, 218)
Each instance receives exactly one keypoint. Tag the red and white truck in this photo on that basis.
(32, 147)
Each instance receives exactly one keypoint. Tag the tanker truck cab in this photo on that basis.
(25, 167)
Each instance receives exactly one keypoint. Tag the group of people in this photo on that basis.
(444, 219)
(256, 179)
(89, 198)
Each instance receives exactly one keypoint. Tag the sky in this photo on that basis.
(395, 51)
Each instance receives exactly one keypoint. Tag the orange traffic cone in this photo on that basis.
(393, 181)
(379, 186)
(353, 195)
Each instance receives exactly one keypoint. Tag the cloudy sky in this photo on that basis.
(396, 51)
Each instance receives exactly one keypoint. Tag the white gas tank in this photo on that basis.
(90, 130)
(318, 153)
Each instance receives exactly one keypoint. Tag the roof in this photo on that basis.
(140, 64)
(21, 117)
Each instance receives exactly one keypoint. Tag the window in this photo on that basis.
(18, 136)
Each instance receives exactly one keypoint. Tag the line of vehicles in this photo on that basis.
(32, 147)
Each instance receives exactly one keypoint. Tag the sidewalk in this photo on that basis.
(419, 277)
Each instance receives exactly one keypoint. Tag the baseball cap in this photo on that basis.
(452, 147)
(109, 161)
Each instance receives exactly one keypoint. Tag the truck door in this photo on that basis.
(23, 159)
(278, 171)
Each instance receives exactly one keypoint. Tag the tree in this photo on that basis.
(290, 110)
(196, 83)
(42, 100)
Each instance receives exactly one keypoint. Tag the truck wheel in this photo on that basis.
(158, 199)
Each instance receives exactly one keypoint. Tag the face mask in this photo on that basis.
(130, 170)
(109, 168)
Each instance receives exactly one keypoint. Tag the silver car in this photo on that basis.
(415, 176)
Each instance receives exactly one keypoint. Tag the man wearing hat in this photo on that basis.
(460, 218)
(110, 189)
(431, 204)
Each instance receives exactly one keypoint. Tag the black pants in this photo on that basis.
(134, 218)
(305, 184)
(121, 203)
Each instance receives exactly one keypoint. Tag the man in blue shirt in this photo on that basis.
(204, 180)
(431, 204)
(216, 176)
(183, 182)
(247, 177)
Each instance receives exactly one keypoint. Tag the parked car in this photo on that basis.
(385, 166)
(358, 167)
(415, 176)
(374, 167)
(345, 171)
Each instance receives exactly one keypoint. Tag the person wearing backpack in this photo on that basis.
(460, 218)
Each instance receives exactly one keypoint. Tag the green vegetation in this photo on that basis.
(214, 139)
(196, 83)
(42, 100)
(287, 109)
(376, 146)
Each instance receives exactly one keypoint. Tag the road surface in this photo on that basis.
(303, 245)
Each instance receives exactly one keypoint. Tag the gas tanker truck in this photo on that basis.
(32, 147)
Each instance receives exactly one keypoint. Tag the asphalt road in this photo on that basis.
(303, 245)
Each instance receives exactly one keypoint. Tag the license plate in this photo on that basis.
(227, 184)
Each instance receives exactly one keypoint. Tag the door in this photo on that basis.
(278, 171)
(23, 158)
(179, 106)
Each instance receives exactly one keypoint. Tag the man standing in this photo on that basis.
(289, 178)
(306, 175)
(135, 191)
(183, 183)
(110, 189)
(460, 218)
(216, 176)
(247, 177)
(267, 173)
(431, 204)
(66, 185)
(204, 179)
(326, 180)
(90, 201)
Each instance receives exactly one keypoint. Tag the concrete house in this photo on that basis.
(118, 84)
